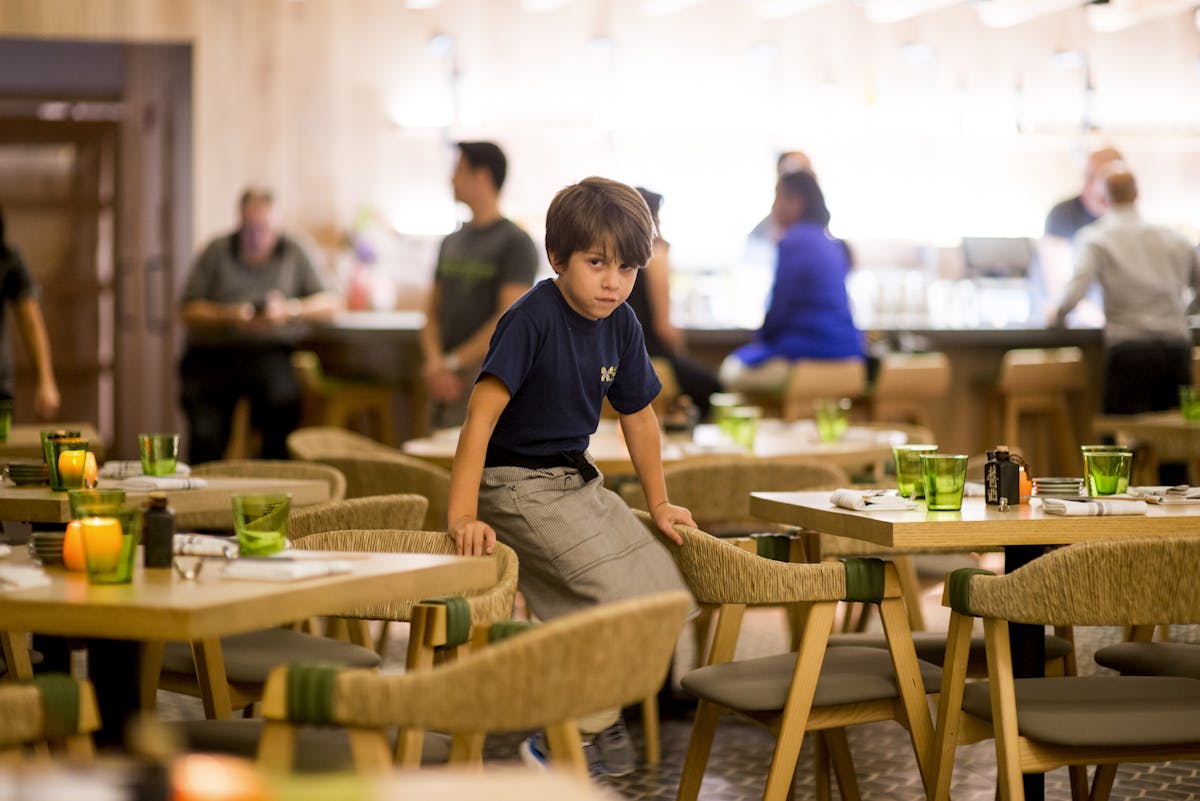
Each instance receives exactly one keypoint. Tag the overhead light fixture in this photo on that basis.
(543, 6)
(1009, 13)
(780, 9)
(887, 11)
(600, 45)
(440, 43)
(1118, 16)
(421, 5)
(665, 8)
(1069, 59)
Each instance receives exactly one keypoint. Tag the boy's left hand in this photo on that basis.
(666, 515)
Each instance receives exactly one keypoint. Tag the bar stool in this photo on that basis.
(1035, 382)
(337, 401)
(821, 378)
(909, 387)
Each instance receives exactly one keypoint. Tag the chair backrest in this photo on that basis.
(1112, 582)
(276, 468)
(390, 473)
(911, 376)
(1041, 370)
(313, 443)
(488, 605)
(50, 709)
(821, 378)
(605, 657)
(719, 572)
(717, 489)
(373, 512)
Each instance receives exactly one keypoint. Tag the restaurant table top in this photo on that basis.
(976, 525)
(41, 505)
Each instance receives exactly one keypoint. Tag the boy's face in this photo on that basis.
(595, 281)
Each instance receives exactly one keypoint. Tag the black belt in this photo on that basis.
(499, 457)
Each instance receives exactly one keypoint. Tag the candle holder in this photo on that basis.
(109, 545)
(66, 462)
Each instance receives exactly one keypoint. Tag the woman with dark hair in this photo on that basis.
(651, 302)
(808, 315)
(18, 289)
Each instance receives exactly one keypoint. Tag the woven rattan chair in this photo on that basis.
(257, 468)
(811, 688)
(51, 710)
(249, 657)
(405, 512)
(546, 677)
(389, 473)
(1044, 723)
(316, 442)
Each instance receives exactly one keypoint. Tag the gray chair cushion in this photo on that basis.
(318, 749)
(848, 675)
(1100, 710)
(249, 657)
(931, 647)
(1152, 658)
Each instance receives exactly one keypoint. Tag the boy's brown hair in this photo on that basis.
(599, 212)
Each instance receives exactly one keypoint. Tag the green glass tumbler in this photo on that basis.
(910, 482)
(945, 475)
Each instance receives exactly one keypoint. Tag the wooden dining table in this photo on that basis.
(42, 505)
(860, 447)
(161, 606)
(1023, 531)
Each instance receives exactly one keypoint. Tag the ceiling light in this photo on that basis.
(1007, 13)
(421, 5)
(543, 6)
(779, 9)
(664, 8)
(884, 11)
(440, 43)
(1069, 59)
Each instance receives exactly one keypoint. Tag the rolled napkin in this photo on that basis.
(284, 569)
(1092, 507)
(22, 577)
(203, 545)
(127, 468)
(142, 483)
(868, 500)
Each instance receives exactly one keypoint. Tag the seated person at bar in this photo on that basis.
(808, 316)
(1145, 271)
(243, 304)
(481, 269)
(19, 290)
(651, 302)
(522, 474)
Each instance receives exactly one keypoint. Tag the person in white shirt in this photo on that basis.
(1145, 272)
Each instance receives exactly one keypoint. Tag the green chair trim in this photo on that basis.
(864, 580)
(310, 692)
(458, 618)
(60, 704)
(507, 628)
(958, 588)
(774, 546)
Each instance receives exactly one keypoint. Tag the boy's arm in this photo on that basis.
(33, 330)
(473, 537)
(645, 451)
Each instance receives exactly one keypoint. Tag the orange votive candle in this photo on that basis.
(101, 542)
(70, 467)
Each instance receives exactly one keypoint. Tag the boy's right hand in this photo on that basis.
(472, 537)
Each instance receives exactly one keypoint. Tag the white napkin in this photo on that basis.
(22, 577)
(867, 500)
(141, 483)
(284, 569)
(1167, 495)
(202, 545)
(1093, 508)
(127, 468)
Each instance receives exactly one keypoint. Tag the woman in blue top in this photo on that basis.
(808, 316)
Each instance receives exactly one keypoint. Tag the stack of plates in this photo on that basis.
(28, 473)
(47, 546)
(1060, 487)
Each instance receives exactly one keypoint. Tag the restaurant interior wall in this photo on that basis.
(922, 130)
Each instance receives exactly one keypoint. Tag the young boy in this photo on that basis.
(521, 464)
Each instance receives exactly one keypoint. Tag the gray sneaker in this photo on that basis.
(614, 750)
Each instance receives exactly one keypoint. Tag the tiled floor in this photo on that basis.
(883, 758)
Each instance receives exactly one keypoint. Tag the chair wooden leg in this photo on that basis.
(949, 708)
(16, 654)
(822, 784)
(910, 591)
(150, 658)
(80, 748)
(701, 629)
(843, 764)
(894, 615)
(210, 676)
(369, 750)
(1004, 702)
(704, 726)
(277, 746)
(360, 633)
(566, 748)
(1079, 782)
(1070, 668)
(650, 729)
(1102, 782)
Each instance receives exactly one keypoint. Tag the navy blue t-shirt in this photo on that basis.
(559, 366)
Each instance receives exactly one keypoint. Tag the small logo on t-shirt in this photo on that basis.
(607, 374)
